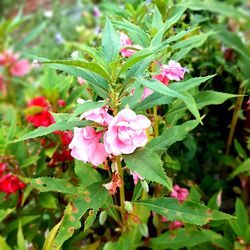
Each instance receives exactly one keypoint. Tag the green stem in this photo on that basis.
(121, 189)
(156, 122)
(234, 119)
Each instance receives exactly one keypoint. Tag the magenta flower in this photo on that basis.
(175, 224)
(86, 146)
(179, 193)
(126, 132)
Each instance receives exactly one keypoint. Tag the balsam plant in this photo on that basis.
(135, 114)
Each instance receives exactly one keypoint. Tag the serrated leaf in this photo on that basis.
(59, 126)
(46, 184)
(171, 135)
(86, 173)
(148, 164)
(91, 66)
(110, 42)
(88, 105)
(182, 238)
(187, 211)
(162, 89)
(92, 197)
(138, 35)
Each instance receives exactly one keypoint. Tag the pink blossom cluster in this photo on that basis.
(122, 134)
(181, 195)
(171, 71)
(9, 183)
(127, 42)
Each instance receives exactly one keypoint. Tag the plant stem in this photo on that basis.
(234, 119)
(156, 122)
(121, 189)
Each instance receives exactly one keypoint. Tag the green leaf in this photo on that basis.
(154, 99)
(162, 89)
(214, 6)
(3, 244)
(138, 35)
(157, 19)
(5, 212)
(90, 219)
(98, 83)
(30, 161)
(92, 197)
(110, 42)
(190, 83)
(132, 61)
(241, 223)
(51, 236)
(47, 200)
(46, 184)
(187, 211)
(148, 164)
(210, 97)
(171, 135)
(20, 238)
(31, 36)
(86, 173)
(123, 243)
(183, 238)
(91, 66)
(88, 105)
(59, 126)
(244, 167)
(240, 150)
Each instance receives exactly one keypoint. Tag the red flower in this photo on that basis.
(39, 101)
(43, 119)
(10, 184)
(2, 168)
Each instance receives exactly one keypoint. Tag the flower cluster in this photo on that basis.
(9, 183)
(122, 134)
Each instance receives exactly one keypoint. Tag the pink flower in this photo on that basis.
(136, 177)
(86, 147)
(115, 182)
(162, 78)
(126, 42)
(3, 167)
(170, 71)
(126, 132)
(175, 224)
(10, 184)
(99, 115)
(179, 193)
(81, 81)
(20, 68)
(173, 71)
(248, 102)
(17, 67)
(96, 11)
(146, 92)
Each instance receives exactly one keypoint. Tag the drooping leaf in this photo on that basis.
(187, 211)
(59, 126)
(148, 164)
(171, 135)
